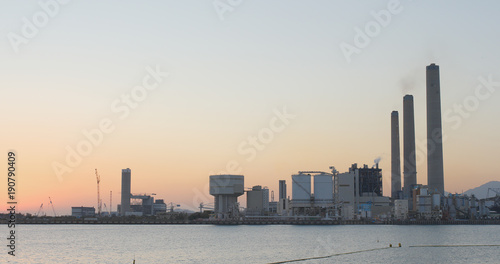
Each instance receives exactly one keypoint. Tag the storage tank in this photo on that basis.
(301, 187)
(323, 189)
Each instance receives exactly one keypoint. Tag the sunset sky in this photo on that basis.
(270, 70)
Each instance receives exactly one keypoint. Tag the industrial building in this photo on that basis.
(137, 204)
(159, 207)
(283, 205)
(257, 201)
(435, 173)
(319, 203)
(143, 206)
(226, 189)
(400, 209)
(360, 193)
(81, 212)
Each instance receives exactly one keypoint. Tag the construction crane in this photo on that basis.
(495, 199)
(110, 202)
(207, 206)
(39, 209)
(98, 178)
(54, 210)
(172, 206)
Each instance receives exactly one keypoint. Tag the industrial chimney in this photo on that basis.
(410, 155)
(395, 156)
(435, 175)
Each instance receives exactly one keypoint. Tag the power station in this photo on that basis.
(352, 195)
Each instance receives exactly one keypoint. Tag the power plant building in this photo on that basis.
(81, 212)
(126, 194)
(257, 201)
(435, 174)
(360, 191)
(226, 189)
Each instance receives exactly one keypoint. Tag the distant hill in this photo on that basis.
(182, 210)
(481, 191)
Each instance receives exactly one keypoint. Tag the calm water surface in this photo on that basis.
(250, 244)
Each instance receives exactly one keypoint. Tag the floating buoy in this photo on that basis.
(390, 245)
(399, 244)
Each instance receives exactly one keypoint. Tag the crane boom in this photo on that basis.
(39, 209)
(54, 210)
(110, 202)
(98, 178)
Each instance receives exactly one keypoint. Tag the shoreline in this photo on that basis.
(254, 222)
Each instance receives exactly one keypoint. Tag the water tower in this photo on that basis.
(226, 189)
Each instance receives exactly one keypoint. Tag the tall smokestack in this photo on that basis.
(435, 174)
(126, 177)
(395, 156)
(410, 157)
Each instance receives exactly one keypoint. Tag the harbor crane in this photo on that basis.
(98, 178)
(54, 210)
(209, 206)
(495, 199)
(172, 206)
(39, 209)
(110, 202)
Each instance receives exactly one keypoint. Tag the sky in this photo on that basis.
(179, 90)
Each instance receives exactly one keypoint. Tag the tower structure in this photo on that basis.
(282, 189)
(126, 182)
(435, 173)
(410, 155)
(395, 156)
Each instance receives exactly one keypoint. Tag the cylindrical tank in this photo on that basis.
(323, 188)
(301, 187)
